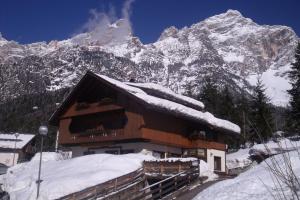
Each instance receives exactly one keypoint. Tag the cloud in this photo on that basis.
(105, 27)
(126, 10)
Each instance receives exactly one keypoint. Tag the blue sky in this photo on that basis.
(29, 21)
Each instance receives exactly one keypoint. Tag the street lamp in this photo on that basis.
(43, 130)
(16, 135)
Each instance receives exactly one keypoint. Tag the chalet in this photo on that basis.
(103, 115)
(15, 147)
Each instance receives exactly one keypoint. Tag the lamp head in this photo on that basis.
(17, 135)
(43, 130)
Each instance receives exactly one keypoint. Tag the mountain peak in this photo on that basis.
(228, 15)
(231, 12)
(3, 41)
(1, 37)
(168, 32)
(231, 18)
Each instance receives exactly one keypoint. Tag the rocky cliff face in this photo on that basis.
(229, 48)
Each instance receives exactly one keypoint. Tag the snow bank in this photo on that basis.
(276, 147)
(62, 177)
(253, 184)
(241, 157)
(238, 159)
(205, 171)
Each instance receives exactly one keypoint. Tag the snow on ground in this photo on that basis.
(205, 171)
(254, 184)
(61, 177)
(238, 159)
(275, 147)
(241, 157)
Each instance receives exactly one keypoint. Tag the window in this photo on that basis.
(88, 152)
(217, 163)
(116, 152)
(201, 152)
(98, 123)
(125, 151)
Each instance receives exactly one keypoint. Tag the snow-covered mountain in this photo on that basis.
(229, 48)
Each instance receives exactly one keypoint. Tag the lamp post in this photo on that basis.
(15, 150)
(43, 130)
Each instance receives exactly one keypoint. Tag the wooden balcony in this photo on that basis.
(179, 140)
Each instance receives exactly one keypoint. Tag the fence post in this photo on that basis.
(116, 181)
(175, 182)
(95, 192)
(160, 190)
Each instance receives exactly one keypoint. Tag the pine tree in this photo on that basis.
(243, 112)
(261, 115)
(294, 75)
(227, 106)
(189, 91)
(210, 96)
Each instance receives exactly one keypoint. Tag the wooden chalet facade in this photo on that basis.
(103, 115)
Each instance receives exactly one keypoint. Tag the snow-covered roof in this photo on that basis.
(168, 94)
(179, 109)
(9, 141)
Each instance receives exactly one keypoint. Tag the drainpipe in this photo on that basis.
(56, 141)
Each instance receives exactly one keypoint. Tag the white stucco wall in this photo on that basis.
(136, 146)
(139, 146)
(210, 158)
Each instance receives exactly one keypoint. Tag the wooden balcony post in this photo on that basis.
(160, 190)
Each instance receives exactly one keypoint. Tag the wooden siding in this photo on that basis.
(130, 131)
(92, 108)
(172, 139)
(162, 129)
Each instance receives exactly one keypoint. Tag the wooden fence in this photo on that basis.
(103, 189)
(168, 167)
(179, 173)
(133, 186)
(166, 186)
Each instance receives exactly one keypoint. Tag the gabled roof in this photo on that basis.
(9, 140)
(152, 102)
